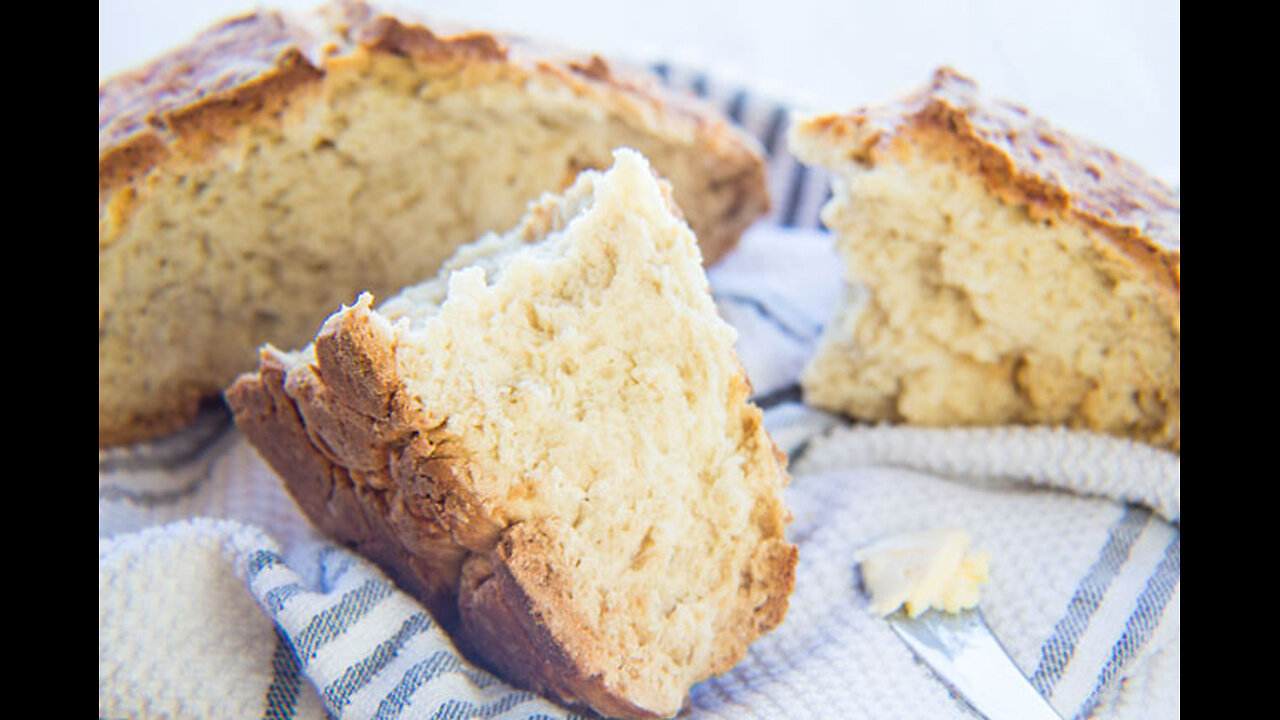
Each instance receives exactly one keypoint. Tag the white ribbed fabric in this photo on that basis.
(1084, 594)
(217, 599)
(1081, 462)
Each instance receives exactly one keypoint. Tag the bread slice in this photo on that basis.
(998, 271)
(550, 444)
(250, 182)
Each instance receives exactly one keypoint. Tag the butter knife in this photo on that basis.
(966, 656)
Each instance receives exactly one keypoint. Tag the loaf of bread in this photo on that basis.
(250, 182)
(998, 270)
(551, 445)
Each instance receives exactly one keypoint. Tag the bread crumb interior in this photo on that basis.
(965, 309)
(593, 385)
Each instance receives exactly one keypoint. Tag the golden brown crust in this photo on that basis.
(509, 599)
(774, 578)
(244, 66)
(368, 469)
(1026, 160)
(336, 434)
(247, 68)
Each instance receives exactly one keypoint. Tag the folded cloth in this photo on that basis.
(179, 636)
(217, 599)
(203, 618)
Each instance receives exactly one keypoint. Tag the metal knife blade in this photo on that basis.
(964, 653)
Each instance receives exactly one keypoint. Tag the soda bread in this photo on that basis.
(551, 445)
(256, 178)
(998, 271)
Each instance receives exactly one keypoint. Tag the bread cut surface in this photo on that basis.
(998, 270)
(277, 165)
(551, 444)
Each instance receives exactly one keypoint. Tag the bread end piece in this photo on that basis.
(998, 270)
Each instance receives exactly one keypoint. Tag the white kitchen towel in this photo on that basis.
(217, 599)
(201, 618)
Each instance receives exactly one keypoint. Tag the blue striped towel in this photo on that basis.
(217, 599)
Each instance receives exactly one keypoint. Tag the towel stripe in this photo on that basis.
(466, 710)
(773, 133)
(171, 453)
(259, 561)
(737, 104)
(800, 335)
(786, 394)
(440, 663)
(155, 498)
(1142, 622)
(286, 680)
(699, 85)
(276, 598)
(799, 452)
(795, 195)
(331, 623)
(1056, 653)
(339, 692)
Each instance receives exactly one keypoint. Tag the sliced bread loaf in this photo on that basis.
(550, 444)
(277, 165)
(998, 270)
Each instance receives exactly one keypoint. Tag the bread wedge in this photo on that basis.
(551, 445)
(254, 179)
(998, 270)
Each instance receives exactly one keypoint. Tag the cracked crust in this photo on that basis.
(369, 470)
(356, 466)
(249, 68)
(252, 75)
(1024, 160)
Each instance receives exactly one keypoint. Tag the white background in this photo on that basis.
(1109, 71)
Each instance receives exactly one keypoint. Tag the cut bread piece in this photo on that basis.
(255, 179)
(998, 271)
(551, 444)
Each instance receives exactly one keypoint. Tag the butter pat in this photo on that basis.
(932, 569)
